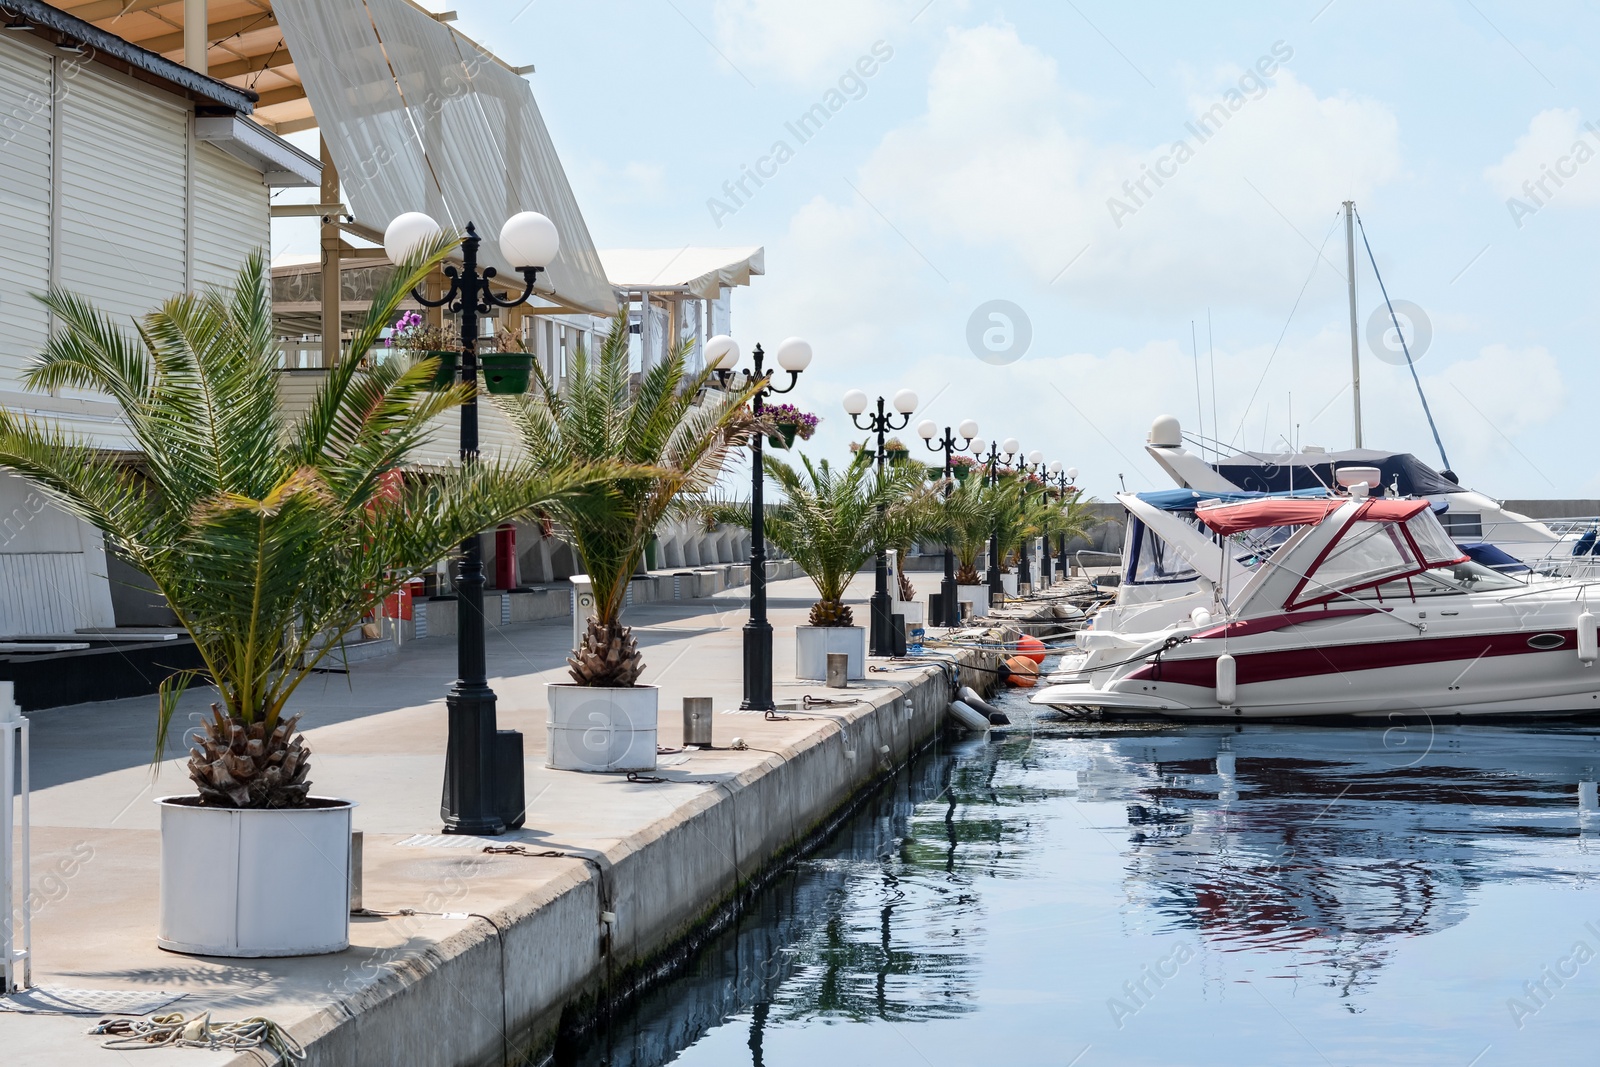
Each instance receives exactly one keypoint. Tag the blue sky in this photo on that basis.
(978, 161)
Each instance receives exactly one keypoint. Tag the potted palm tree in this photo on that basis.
(677, 434)
(270, 538)
(829, 524)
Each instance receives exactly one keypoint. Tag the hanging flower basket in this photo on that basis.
(895, 451)
(960, 473)
(792, 423)
(506, 373)
(445, 375)
(961, 466)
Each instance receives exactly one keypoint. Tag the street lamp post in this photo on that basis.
(794, 356)
(997, 588)
(1025, 553)
(530, 241)
(1048, 474)
(881, 423)
(1065, 479)
(927, 430)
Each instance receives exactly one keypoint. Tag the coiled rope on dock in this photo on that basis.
(176, 1030)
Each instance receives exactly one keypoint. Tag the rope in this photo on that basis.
(176, 1031)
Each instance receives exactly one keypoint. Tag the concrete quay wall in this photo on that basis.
(496, 992)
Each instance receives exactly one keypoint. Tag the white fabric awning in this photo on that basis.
(699, 272)
(418, 118)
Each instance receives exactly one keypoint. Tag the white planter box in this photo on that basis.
(976, 595)
(915, 611)
(813, 643)
(1008, 581)
(254, 882)
(601, 729)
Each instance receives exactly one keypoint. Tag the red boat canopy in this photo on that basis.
(1288, 511)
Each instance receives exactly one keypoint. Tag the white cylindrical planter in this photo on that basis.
(255, 881)
(813, 643)
(595, 728)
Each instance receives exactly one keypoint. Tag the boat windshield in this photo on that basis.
(1455, 579)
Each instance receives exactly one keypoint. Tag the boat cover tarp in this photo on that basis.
(1189, 499)
(1293, 511)
(1267, 472)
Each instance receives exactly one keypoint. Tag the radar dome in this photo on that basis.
(1165, 432)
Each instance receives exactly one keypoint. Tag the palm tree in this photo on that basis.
(969, 517)
(1071, 516)
(921, 515)
(669, 428)
(269, 538)
(829, 521)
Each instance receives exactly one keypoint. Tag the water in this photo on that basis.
(1277, 895)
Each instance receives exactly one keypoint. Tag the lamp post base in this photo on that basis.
(882, 620)
(757, 667)
(468, 803)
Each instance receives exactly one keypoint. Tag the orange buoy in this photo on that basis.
(1021, 671)
(1030, 646)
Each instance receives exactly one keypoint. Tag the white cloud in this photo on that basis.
(997, 161)
(1553, 164)
(804, 42)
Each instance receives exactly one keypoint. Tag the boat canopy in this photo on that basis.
(1343, 545)
(1190, 499)
(1269, 472)
(1294, 511)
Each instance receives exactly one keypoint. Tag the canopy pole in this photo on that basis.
(1355, 338)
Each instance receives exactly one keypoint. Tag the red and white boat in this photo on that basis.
(1366, 608)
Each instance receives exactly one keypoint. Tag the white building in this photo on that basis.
(128, 178)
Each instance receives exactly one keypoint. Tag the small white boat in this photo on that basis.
(1364, 607)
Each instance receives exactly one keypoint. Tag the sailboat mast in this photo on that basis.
(1355, 338)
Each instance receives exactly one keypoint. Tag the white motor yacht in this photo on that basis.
(1364, 607)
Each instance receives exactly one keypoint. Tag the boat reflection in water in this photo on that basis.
(1290, 893)
(1337, 843)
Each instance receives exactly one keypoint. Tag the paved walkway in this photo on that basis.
(377, 736)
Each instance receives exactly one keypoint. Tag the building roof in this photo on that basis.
(64, 21)
(699, 272)
(245, 48)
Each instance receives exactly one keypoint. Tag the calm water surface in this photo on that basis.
(1078, 895)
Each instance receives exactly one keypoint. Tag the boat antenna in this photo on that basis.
(1355, 337)
(1403, 346)
(1199, 405)
(1216, 427)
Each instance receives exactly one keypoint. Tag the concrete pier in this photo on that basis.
(467, 957)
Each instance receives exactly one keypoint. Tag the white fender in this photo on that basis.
(970, 697)
(1227, 680)
(967, 717)
(1588, 648)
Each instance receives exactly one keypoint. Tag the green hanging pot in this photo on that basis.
(445, 375)
(787, 432)
(896, 455)
(505, 373)
(960, 473)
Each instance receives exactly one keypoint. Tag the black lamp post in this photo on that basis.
(927, 430)
(881, 423)
(468, 804)
(997, 587)
(794, 356)
(1047, 474)
(1064, 480)
(1034, 465)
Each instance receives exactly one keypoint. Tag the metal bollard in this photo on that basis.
(357, 842)
(697, 722)
(838, 670)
